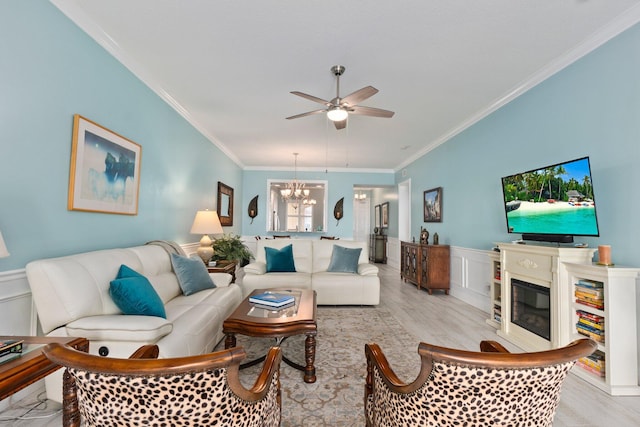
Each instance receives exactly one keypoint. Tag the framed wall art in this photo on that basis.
(377, 212)
(385, 215)
(433, 205)
(225, 204)
(105, 170)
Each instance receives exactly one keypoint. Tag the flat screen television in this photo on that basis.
(553, 203)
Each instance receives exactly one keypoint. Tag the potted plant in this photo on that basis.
(228, 248)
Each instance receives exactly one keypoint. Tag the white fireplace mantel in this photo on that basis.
(542, 266)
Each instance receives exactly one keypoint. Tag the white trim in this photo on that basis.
(96, 32)
(317, 169)
(620, 24)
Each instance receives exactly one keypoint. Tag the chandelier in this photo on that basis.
(294, 190)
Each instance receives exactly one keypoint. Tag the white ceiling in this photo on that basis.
(441, 65)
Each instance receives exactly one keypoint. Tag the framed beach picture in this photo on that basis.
(377, 212)
(385, 215)
(433, 205)
(105, 170)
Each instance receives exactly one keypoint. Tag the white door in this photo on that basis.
(361, 220)
(404, 210)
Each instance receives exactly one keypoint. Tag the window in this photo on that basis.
(299, 217)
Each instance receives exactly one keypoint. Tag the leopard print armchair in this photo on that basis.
(474, 389)
(187, 391)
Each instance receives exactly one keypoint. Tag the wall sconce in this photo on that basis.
(338, 211)
(253, 208)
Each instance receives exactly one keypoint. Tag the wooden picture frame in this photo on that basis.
(384, 216)
(104, 174)
(225, 204)
(377, 210)
(432, 205)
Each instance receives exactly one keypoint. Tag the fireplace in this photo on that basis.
(530, 308)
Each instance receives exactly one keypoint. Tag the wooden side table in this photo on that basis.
(32, 366)
(229, 268)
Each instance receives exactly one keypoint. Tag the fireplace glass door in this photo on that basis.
(530, 308)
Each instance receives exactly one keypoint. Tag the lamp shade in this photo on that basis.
(3, 248)
(206, 222)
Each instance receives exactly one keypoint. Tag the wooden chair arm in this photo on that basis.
(261, 386)
(149, 351)
(375, 357)
(492, 347)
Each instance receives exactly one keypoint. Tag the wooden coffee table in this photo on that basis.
(299, 319)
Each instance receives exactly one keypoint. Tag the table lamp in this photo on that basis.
(3, 249)
(206, 222)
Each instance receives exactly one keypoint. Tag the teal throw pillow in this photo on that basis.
(344, 260)
(133, 294)
(280, 260)
(126, 271)
(192, 274)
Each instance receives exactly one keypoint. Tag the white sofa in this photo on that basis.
(72, 298)
(312, 258)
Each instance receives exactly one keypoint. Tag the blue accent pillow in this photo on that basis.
(133, 294)
(280, 260)
(192, 274)
(344, 260)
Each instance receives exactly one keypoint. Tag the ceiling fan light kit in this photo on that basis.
(338, 109)
(337, 114)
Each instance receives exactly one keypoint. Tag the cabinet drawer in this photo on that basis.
(531, 265)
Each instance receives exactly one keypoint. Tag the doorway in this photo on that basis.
(404, 211)
(361, 219)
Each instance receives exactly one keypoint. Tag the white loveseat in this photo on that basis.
(72, 298)
(312, 258)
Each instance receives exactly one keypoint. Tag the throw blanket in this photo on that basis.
(170, 247)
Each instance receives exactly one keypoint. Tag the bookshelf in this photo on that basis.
(604, 308)
(495, 290)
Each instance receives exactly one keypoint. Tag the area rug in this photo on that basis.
(337, 396)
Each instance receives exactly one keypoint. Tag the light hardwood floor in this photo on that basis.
(446, 321)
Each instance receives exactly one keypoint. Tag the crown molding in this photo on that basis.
(618, 25)
(91, 28)
(317, 169)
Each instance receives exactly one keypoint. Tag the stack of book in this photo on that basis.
(497, 313)
(590, 293)
(498, 272)
(272, 300)
(594, 363)
(591, 325)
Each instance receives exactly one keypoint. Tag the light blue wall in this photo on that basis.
(591, 108)
(51, 70)
(340, 185)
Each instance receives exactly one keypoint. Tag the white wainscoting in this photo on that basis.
(393, 252)
(17, 317)
(17, 314)
(470, 276)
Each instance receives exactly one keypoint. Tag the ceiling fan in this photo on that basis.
(338, 109)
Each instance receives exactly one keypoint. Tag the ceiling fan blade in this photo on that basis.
(370, 111)
(341, 124)
(359, 95)
(309, 113)
(312, 98)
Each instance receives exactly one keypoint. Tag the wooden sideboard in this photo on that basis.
(425, 265)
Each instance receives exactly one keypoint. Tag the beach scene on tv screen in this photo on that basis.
(552, 200)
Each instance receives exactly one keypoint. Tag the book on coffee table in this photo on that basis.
(272, 299)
